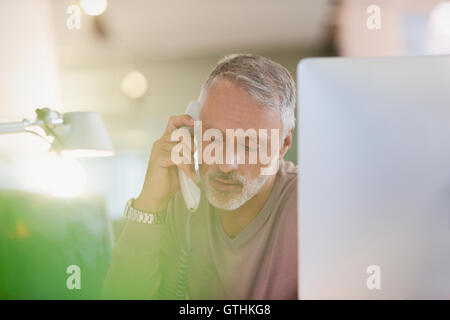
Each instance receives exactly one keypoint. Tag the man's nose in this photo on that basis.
(230, 164)
(226, 168)
(232, 160)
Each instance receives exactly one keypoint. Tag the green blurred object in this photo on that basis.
(41, 236)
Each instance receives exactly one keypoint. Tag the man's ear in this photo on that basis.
(287, 142)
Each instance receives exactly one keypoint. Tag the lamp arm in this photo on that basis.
(14, 127)
(45, 117)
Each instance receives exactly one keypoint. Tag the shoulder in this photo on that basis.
(287, 190)
(288, 175)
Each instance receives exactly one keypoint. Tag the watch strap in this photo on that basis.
(135, 215)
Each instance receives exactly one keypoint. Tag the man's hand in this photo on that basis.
(161, 179)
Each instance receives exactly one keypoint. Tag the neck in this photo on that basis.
(235, 221)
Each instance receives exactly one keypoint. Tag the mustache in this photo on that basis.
(233, 176)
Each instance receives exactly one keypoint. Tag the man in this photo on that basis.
(242, 241)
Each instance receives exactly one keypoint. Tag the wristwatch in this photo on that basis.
(135, 215)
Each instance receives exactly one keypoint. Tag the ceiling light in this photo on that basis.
(134, 85)
(94, 7)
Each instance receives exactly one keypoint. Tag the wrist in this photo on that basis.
(136, 215)
(146, 204)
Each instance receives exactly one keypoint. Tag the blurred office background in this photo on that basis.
(136, 62)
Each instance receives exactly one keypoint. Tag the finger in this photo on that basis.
(173, 146)
(181, 158)
(167, 145)
(167, 161)
(176, 122)
(171, 157)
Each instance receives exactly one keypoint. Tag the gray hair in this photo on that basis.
(265, 80)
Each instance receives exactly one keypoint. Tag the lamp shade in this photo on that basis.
(83, 134)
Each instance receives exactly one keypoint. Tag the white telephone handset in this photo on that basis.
(189, 190)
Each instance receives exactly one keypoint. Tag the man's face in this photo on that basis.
(227, 106)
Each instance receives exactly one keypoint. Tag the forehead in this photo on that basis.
(228, 106)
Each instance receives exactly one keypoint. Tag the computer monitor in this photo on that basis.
(374, 182)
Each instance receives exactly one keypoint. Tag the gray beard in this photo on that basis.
(229, 200)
